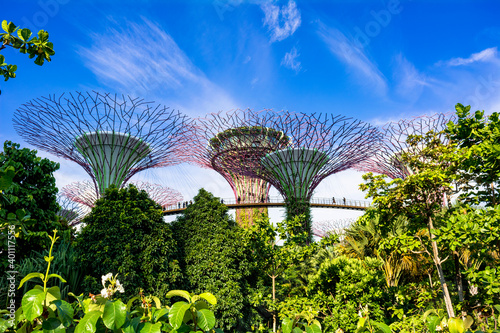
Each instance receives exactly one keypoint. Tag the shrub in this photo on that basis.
(125, 233)
(348, 287)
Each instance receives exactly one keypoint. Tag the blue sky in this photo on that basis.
(378, 61)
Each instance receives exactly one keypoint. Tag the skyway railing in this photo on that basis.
(277, 201)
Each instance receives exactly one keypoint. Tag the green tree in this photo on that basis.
(214, 258)
(346, 287)
(125, 234)
(420, 196)
(480, 171)
(33, 189)
(38, 47)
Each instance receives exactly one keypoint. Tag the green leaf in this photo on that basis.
(53, 294)
(201, 305)
(129, 303)
(157, 302)
(456, 325)
(88, 323)
(11, 27)
(29, 277)
(24, 34)
(181, 293)
(5, 26)
(65, 312)
(159, 314)
(206, 319)
(131, 326)
(151, 328)
(114, 314)
(313, 328)
(176, 314)
(209, 298)
(381, 327)
(32, 304)
(57, 276)
(53, 325)
(297, 330)
(287, 325)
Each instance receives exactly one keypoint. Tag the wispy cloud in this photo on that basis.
(349, 52)
(143, 59)
(484, 55)
(281, 21)
(409, 82)
(290, 60)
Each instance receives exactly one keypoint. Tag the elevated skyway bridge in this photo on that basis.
(341, 203)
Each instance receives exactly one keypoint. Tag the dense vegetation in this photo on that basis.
(414, 262)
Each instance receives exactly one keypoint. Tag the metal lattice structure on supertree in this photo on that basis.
(232, 142)
(72, 211)
(84, 193)
(388, 160)
(110, 137)
(321, 145)
(325, 228)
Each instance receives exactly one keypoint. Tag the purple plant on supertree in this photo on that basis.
(232, 142)
(388, 159)
(84, 193)
(111, 137)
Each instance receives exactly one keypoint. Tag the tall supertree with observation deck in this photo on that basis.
(388, 160)
(83, 192)
(232, 142)
(111, 137)
(320, 145)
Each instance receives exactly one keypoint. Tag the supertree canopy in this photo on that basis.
(84, 193)
(388, 159)
(320, 145)
(233, 142)
(112, 137)
(72, 211)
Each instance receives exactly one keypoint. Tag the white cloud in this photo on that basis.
(353, 56)
(281, 21)
(484, 55)
(409, 81)
(143, 60)
(290, 60)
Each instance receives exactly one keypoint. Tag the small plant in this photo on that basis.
(193, 315)
(296, 325)
(43, 309)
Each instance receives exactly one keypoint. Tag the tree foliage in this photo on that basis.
(37, 46)
(479, 135)
(32, 191)
(125, 234)
(215, 259)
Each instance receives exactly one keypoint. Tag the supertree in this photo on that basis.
(84, 193)
(232, 142)
(325, 228)
(112, 137)
(321, 145)
(72, 211)
(388, 160)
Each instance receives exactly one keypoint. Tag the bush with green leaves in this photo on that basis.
(214, 258)
(32, 191)
(125, 234)
(346, 286)
(43, 309)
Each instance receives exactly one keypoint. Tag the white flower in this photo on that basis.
(105, 278)
(119, 287)
(104, 293)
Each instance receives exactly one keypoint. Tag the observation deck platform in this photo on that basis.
(340, 203)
